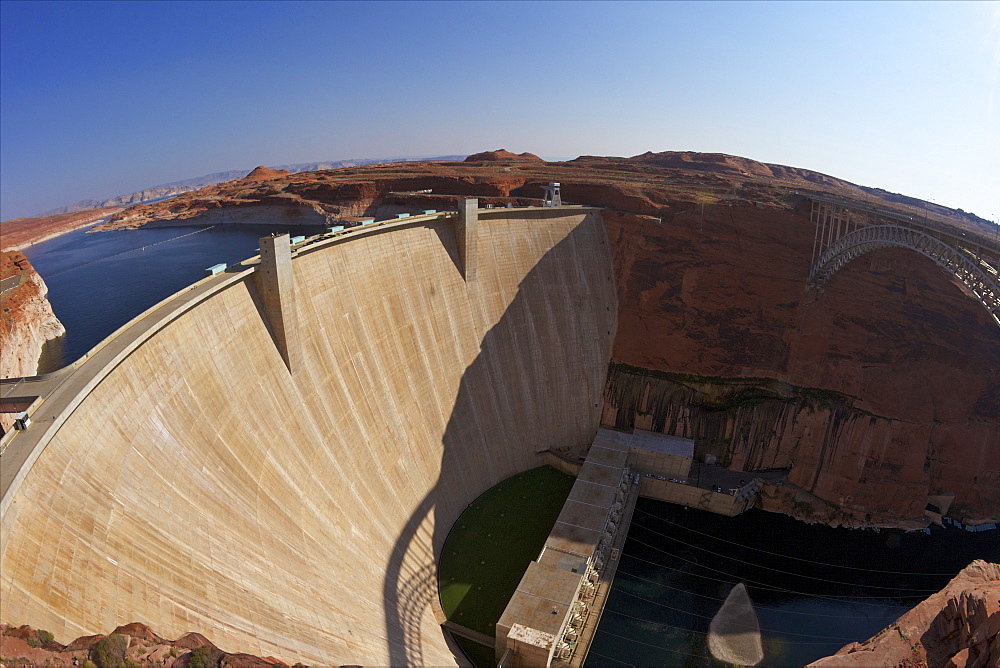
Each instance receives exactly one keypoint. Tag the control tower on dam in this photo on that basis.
(274, 458)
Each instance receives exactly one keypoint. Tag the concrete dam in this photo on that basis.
(283, 481)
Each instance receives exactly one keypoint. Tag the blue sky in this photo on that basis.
(100, 99)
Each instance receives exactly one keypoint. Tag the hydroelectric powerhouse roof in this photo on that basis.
(670, 445)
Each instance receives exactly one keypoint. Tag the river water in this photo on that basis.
(98, 282)
(814, 588)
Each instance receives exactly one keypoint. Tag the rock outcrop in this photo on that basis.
(874, 393)
(956, 627)
(19, 233)
(130, 644)
(27, 320)
(262, 173)
(503, 155)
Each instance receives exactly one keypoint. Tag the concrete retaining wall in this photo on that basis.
(200, 487)
(688, 495)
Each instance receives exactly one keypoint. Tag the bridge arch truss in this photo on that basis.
(845, 233)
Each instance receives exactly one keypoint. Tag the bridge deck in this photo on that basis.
(847, 230)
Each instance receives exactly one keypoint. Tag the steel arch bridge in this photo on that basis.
(846, 231)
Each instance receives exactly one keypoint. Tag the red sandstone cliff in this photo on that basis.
(27, 320)
(130, 644)
(889, 377)
(957, 627)
(502, 155)
(18, 233)
(903, 368)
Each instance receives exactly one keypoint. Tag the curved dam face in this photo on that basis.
(200, 486)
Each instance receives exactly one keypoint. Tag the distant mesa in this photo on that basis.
(709, 162)
(20, 233)
(503, 155)
(955, 627)
(176, 187)
(660, 184)
(731, 167)
(262, 173)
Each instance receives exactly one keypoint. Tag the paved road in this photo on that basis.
(10, 283)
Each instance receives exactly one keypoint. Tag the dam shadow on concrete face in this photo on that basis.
(523, 363)
(450, 244)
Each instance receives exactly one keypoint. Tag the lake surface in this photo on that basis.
(814, 588)
(98, 282)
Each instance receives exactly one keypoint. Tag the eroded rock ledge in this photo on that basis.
(763, 424)
(132, 644)
(27, 320)
(958, 626)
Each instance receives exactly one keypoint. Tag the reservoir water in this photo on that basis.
(814, 588)
(98, 282)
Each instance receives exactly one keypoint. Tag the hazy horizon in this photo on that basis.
(103, 99)
(368, 160)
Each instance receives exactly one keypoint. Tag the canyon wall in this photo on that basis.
(875, 391)
(26, 321)
(201, 486)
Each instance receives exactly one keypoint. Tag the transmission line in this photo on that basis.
(763, 585)
(705, 633)
(788, 556)
(132, 250)
(717, 598)
(776, 570)
(763, 630)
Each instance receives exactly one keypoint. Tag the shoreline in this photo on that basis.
(803, 506)
(27, 232)
(53, 235)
